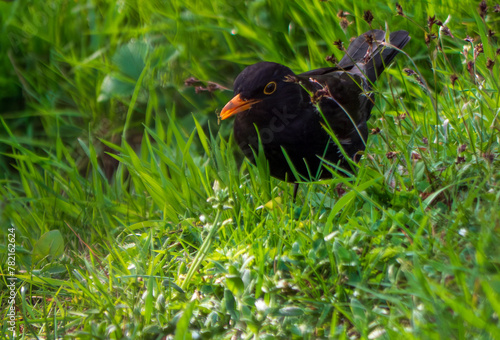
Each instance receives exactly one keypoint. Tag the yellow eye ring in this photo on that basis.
(270, 87)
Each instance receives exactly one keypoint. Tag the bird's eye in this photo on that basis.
(270, 87)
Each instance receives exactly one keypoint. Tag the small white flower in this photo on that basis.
(445, 128)
(216, 186)
(261, 305)
(377, 333)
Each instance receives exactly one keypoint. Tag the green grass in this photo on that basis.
(136, 216)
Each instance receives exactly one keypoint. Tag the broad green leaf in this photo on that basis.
(49, 244)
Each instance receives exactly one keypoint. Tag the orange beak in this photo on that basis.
(236, 105)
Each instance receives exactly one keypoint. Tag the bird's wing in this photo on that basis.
(347, 101)
(318, 72)
(366, 56)
(369, 54)
(358, 49)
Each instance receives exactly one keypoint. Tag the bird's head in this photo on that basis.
(260, 84)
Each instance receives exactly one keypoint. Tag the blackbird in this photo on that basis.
(290, 115)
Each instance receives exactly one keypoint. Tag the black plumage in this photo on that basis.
(275, 105)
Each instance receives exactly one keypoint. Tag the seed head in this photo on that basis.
(483, 8)
(399, 9)
(368, 17)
